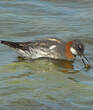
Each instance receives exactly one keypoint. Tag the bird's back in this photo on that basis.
(45, 47)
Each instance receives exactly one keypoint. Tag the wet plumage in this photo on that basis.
(49, 48)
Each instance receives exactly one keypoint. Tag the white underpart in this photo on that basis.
(37, 52)
(23, 53)
(73, 51)
(52, 47)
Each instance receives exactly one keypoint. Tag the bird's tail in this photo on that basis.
(10, 44)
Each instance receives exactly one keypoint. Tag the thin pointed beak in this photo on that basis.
(85, 61)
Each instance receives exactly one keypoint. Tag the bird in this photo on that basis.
(50, 47)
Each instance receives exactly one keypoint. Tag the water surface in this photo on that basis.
(45, 84)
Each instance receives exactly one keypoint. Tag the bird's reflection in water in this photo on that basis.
(51, 64)
(65, 66)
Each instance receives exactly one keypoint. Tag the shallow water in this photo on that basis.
(45, 84)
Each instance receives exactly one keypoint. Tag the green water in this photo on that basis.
(45, 84)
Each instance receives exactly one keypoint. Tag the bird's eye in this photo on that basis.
(79, 46)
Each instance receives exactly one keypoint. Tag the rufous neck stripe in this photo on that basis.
(68, 52)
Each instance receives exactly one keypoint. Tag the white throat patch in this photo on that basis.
(73, 51)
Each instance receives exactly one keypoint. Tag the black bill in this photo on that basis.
(85, 61)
